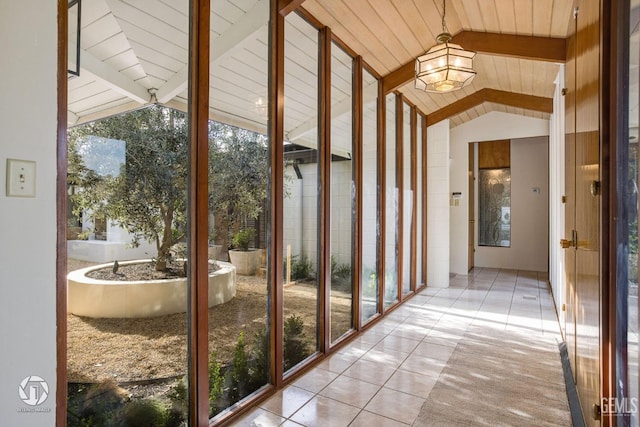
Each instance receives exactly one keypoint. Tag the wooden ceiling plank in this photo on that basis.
(524, 17)
(285, 7)
(490, 19)
(507, 16)
(542, 17)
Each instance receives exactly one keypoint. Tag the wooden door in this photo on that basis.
(472, 192)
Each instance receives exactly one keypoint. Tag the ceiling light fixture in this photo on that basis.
(446, 66)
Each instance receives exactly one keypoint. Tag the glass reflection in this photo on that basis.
(391, 208)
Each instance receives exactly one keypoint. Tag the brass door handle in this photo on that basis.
(566, 243)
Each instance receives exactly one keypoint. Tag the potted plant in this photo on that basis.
(245, 259)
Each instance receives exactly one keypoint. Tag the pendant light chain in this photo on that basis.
(444, 12)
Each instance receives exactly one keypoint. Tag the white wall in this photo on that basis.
(491, 126)
(556, 191)
(438, 204)
(28, 225)
(529, 211)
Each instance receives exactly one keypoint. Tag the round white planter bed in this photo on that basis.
(146, 298)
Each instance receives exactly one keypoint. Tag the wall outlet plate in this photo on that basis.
(21, 178)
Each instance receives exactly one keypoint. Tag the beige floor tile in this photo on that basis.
(411, 383)
(369, 419)
(315, 380)
(396, 405)
(338, 362)
(322, 412)
(287, 401)
(350, 391)
(259, 418)
(385, 356)
(370, 372)
(393, 342)
(434, 351)
(423, 365)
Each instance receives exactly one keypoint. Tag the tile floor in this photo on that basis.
(383, 377)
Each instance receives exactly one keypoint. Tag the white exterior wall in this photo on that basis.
(438, 204)
(341, 211)
(28, 225)
(489, 127)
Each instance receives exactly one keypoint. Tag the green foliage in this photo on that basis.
(179, 404)
(339, 271)
(259, 367)
(147, 196)
(243, 239)
(294, 345)
(240, 370)
(301, 268)
(216, 383)
(144, 413)
(238, 175)
(96, 405)
(370, 290)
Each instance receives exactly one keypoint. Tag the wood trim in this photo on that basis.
(414, 192)
(276, 191)
(324, 173)
(547, 49)
(285, 7)
(198, 214)
(382, 186)
(614, 133)
(399, 77)
(356, 261)
(512, 99)
(61, 221)
(308, 16)
(424, 218)
(400, 187)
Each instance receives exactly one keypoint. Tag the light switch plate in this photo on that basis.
(21, 178)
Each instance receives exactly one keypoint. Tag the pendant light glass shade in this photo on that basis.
(445, 67)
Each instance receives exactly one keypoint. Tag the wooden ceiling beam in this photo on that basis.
(285, 7)
(512, 99)
(548, 49)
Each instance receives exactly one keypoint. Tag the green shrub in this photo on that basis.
(96, 405)
(259, 366)
(301, 268)
(240, 370)
(144, 413)
(294, 346)
(179, 408)
(216, 384)
(243, 239)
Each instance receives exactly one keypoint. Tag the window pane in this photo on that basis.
(127, 186)
(494, 207)
(370, 226)
(407, 200)
(238, 207)
(391, 208)
(301, 191)
(419, 239)
(342, 192)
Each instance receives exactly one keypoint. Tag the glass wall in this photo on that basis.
(494, 207)
(391, 208)
(419, 204)
(629, 350)
(238, 207)
(370, 227)
(342, 191)
(301, 197)
(127, 222)
(407, 199)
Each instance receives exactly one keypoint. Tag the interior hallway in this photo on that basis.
(482, 352)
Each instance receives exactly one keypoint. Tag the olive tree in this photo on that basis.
(148, 195)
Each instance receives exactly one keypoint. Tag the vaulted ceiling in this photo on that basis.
(135, 52)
